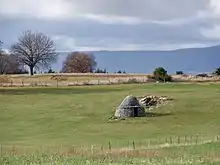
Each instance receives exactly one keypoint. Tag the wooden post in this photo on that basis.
(133, 145)
(92, 149)
(13, 150)
(1, 150)
(185, 139)
(109, 146)
(171, 141)
(178, 141)
(196, 140)
(73, 148)
(140, 144)
(57, 82)
(166, 141)
(102, 147)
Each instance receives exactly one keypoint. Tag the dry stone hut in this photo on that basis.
(130, 107)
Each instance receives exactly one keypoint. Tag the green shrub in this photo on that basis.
(179, 73)
(217, 71)
(132, 81)
(160, 74)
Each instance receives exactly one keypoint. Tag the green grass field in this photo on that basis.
(38, 121)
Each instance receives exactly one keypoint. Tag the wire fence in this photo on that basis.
(120, 145)
(60, 83)
(59, 80)
(169, 150)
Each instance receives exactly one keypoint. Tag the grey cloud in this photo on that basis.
(148, 9)
(90, 33)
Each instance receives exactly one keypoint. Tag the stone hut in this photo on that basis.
(130, 107)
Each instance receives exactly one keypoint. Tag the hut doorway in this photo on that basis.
(135, 111)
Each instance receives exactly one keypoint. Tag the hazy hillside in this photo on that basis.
(191, 60)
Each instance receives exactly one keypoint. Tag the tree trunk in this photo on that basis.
(31, 70)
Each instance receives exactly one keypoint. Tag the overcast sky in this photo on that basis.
(114, 24)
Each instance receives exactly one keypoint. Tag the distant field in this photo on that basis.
(71, 79)
(74, 123)
(74, 79)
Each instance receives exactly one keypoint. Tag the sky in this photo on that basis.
(77, 25)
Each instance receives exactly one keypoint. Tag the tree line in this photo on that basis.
(37, 51)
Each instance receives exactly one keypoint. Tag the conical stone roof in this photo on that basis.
(130, 107)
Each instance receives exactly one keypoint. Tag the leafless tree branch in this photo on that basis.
(35, 50)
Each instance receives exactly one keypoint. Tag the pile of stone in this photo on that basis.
(150, 102)
(132, 107)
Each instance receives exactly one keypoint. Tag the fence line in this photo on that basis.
(57, 83)
(132, 145)
(64, 80)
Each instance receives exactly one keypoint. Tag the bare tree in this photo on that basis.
(3, 60)
(35, 50)
(79, 62)
(10, 65)
(3, 63)
(1, 47)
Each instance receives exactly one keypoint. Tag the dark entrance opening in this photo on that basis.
(135, 111)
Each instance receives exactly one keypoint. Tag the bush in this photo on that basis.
(100, 71)
(217, 71)
(167, 78)
(132, 81)
(179, 73)
(160, 74)
(202, 75)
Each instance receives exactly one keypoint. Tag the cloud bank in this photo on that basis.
(114, 24)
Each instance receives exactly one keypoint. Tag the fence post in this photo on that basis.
(1, 150)
(178, 141)
(102, 147)
(196, 140)
(171, 140)
(166, 141)
(133, 145)
(140, 144)
(109, 146)
(13, 150)
(73, 148)
(185, 139)
(92, 149)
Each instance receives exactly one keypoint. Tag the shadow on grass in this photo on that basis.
(152, 114)
(33, 91)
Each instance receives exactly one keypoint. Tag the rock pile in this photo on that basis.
(151, 102)
(130, 107)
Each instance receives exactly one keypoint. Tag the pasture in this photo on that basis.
(71, 125)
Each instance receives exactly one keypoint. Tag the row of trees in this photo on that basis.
(9, 64)
(34, 50)
(37, 51)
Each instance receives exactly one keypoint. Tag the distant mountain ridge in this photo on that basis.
(190, 60)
